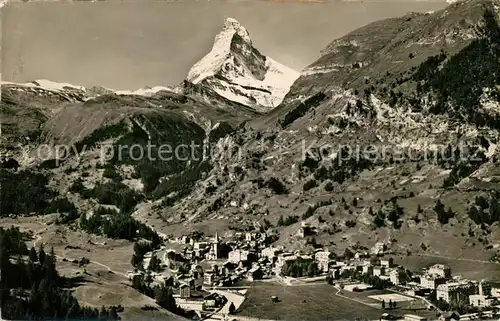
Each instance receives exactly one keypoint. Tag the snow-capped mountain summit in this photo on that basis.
(239, 72)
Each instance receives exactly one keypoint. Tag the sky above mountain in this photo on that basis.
(129, 45)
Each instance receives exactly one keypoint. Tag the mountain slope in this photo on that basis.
(418, 89)
(389, 47)
(239, 72)
(306, 158)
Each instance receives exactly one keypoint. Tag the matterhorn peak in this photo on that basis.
(239, 72)
(233, 25)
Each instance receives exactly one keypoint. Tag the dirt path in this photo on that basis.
(458, 259)
(351, 299)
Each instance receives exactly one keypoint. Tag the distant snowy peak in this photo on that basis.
(147, 91)
(239, 72)
(46, 85)
(47, 88)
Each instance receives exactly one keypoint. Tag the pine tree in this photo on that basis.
(379, 219)
(33, 257)
(281, 221)
(232, 308)
(112, 314)
(103, 313)
(41, 255)
(164, 298)
(449, 213)
(312, 269)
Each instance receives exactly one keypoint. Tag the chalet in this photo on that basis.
(185, 291)
(360, 255)
(367, 269)
(188, 254)
(209, 277)
(200, 246)
(304, 230)
(237, 256)
(212, 301)
(335, 272)
(134, 275)
(378, 248)
(378, 271)
(495, 292)
(389, 263)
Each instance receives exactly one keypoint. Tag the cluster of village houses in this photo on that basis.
(252, 257)
(436, 278)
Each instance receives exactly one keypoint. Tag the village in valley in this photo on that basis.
(211, 277)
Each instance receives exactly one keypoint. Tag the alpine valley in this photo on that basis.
(286, 150)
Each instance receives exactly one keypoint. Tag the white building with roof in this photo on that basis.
(431, 281)
(378, 271)
(378, 248)
(322, 259)
(450, 291)
(387, 263)
(394, 276)
(237, 256)
(439, 270)
(270, 252)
